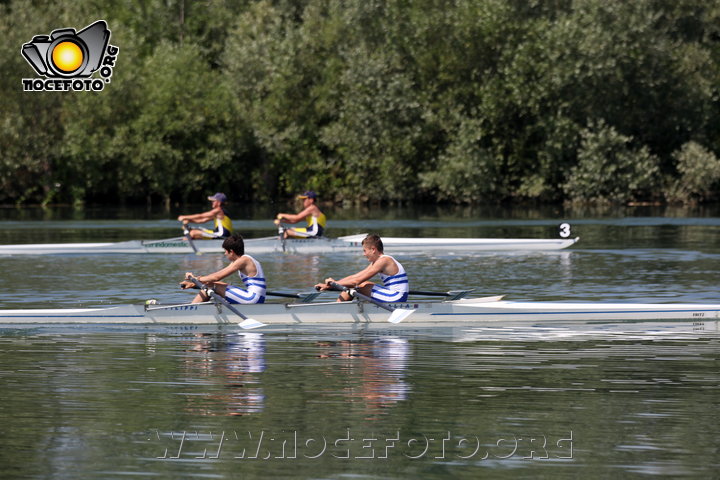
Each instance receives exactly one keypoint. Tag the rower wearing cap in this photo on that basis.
(315, 219)
(223, 223)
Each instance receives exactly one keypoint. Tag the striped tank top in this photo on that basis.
(399, 281)
(257, 283)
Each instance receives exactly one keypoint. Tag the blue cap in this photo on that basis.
(220, 197)
(308, 194)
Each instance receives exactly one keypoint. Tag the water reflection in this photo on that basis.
(228, 367)
(378, 368)
(227, 370)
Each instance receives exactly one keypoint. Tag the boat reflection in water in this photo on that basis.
(227, 368)
(227, 374)
(373, 370)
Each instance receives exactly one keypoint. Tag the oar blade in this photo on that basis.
(250, 323)
(399, 314)
(307, 297)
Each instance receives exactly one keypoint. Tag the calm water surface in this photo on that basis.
(181, 402)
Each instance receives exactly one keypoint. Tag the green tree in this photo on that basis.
(699, 174)
(178, 142)
(271, 93)
(376, 129)
(465, 101)
(611, 169)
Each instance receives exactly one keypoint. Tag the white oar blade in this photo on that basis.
(250, 323)
(399, 315)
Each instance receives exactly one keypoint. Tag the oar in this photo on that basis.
(304, 297)
(397, 315)
(247, 323)
(452, 294)
(186, 232)
(281, 235)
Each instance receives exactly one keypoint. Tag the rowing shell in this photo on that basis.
(350, 243)
(486, 310)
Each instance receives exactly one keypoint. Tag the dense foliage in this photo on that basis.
(476, 101)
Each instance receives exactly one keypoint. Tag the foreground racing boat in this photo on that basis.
(468, 311)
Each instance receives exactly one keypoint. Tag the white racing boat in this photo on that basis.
(466, 311)
(350, 243)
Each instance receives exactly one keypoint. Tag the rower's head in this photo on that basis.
(372, 247)
(220, 198)
(235, 244)
(308, 197)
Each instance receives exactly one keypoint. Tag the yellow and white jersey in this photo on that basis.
(315, 226)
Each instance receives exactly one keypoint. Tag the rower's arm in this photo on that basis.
(225, 272)
(285, 218)
(199, 217)
(295, 217)
(361, 276)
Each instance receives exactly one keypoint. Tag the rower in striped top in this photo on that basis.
(395, 285)
(249, 269)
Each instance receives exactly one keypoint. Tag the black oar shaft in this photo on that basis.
(343, 288)
(451, 295)
(429, 294)
(300, 297)
(282, 294)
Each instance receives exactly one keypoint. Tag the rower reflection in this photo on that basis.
(375, 371)
(228, 366)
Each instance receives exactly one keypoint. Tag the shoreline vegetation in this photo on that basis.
(575, 102)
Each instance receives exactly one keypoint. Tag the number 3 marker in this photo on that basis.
(564, 230)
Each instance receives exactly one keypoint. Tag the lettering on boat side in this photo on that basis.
(403, 305)
(183, 308)
(166, 244)
(287, 444)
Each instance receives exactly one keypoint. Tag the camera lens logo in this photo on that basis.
(68, 59)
